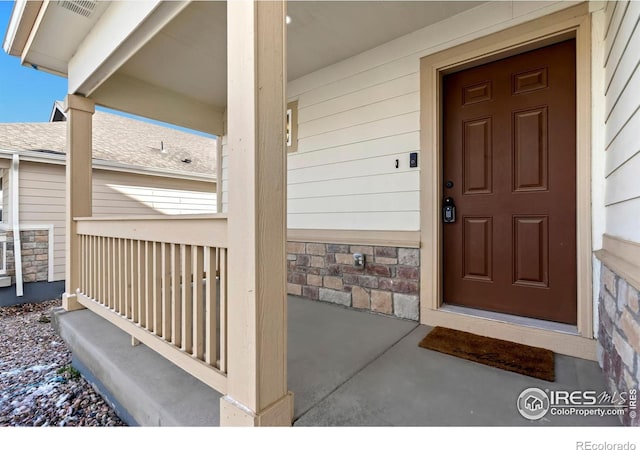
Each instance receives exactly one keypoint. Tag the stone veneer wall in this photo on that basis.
(35, 255)
(388, 284)
(619, 335)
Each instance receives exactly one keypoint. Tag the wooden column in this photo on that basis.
(257, 311)
(79, 111)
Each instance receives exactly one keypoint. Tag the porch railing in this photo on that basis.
(163, 281)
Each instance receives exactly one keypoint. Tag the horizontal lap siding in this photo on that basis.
(42, 198)
(5, 196)
(358, 116)
(622, 85)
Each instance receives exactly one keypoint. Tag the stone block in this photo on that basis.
(368, 281)
(621, 299)
(316, 249)
(409, 256)
(610, 306)
(633, 299)
(379, 270)
(333, 269)
(337, 248)
(294, 289)
(330, 258)
(297, 278)
(364, 249)
(344, 258)
(610, 281)
(387, 252)
(338, 297)
(42, 238)
(303, 260)
(291, 256)
(317, 261)
(295, 247)
(314, 280)
(624, 350)
(333, 283)
(408, 272)
(310, 292)
(406, 306)
(631, 329)
(387, 261)
(400, 286)
(381, 302)
(360, 298)
(350, 279)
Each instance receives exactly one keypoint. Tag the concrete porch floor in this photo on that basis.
(346, 368)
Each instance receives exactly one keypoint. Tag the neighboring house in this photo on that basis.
(139, 169)
(523, 116)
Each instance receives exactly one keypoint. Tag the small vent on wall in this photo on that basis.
(81, 7)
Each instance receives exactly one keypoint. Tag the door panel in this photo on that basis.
(509, 150)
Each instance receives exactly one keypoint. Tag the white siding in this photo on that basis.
(5, 195)
(622, 118)
(42, 198)
(357, 117)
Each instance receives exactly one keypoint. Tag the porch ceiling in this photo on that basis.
(188, 56)
(168, 60)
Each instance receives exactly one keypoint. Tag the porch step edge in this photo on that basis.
(144, 388)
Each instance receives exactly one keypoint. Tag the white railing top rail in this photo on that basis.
(209, 230)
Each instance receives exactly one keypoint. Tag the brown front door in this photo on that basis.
(509, 166)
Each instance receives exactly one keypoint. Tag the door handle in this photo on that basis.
(448, 210)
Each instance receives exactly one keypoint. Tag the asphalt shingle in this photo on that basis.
(120, 139)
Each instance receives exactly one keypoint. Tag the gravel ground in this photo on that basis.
(38, 385)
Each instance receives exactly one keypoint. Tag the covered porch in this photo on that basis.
(347, 368)
(207, 295)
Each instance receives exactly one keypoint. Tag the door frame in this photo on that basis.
(572, 22)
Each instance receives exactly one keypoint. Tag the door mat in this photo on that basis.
(532, 361)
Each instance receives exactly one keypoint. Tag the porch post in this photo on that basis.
(257, 311)
(79, 111)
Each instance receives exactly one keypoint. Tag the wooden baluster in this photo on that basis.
(142, 258)
(148, 299)
(223, 310)
(104, 271)
(211, 307)
(121, 277)
(126, 261)
(176, 304)
(107, 272)
(198, 301)
(166, 292)
(94, 267)
(157, 288)
(187, 301)
(135, 307)
(114, 275)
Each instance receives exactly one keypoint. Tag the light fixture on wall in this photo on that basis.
(287, 20)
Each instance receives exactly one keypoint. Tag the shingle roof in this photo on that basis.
(120, 139)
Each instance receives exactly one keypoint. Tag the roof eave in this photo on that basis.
(21, 23)
(114, 166)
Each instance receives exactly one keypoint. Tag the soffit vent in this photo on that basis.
(82, 7)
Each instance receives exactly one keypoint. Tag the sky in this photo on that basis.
(26, 94)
